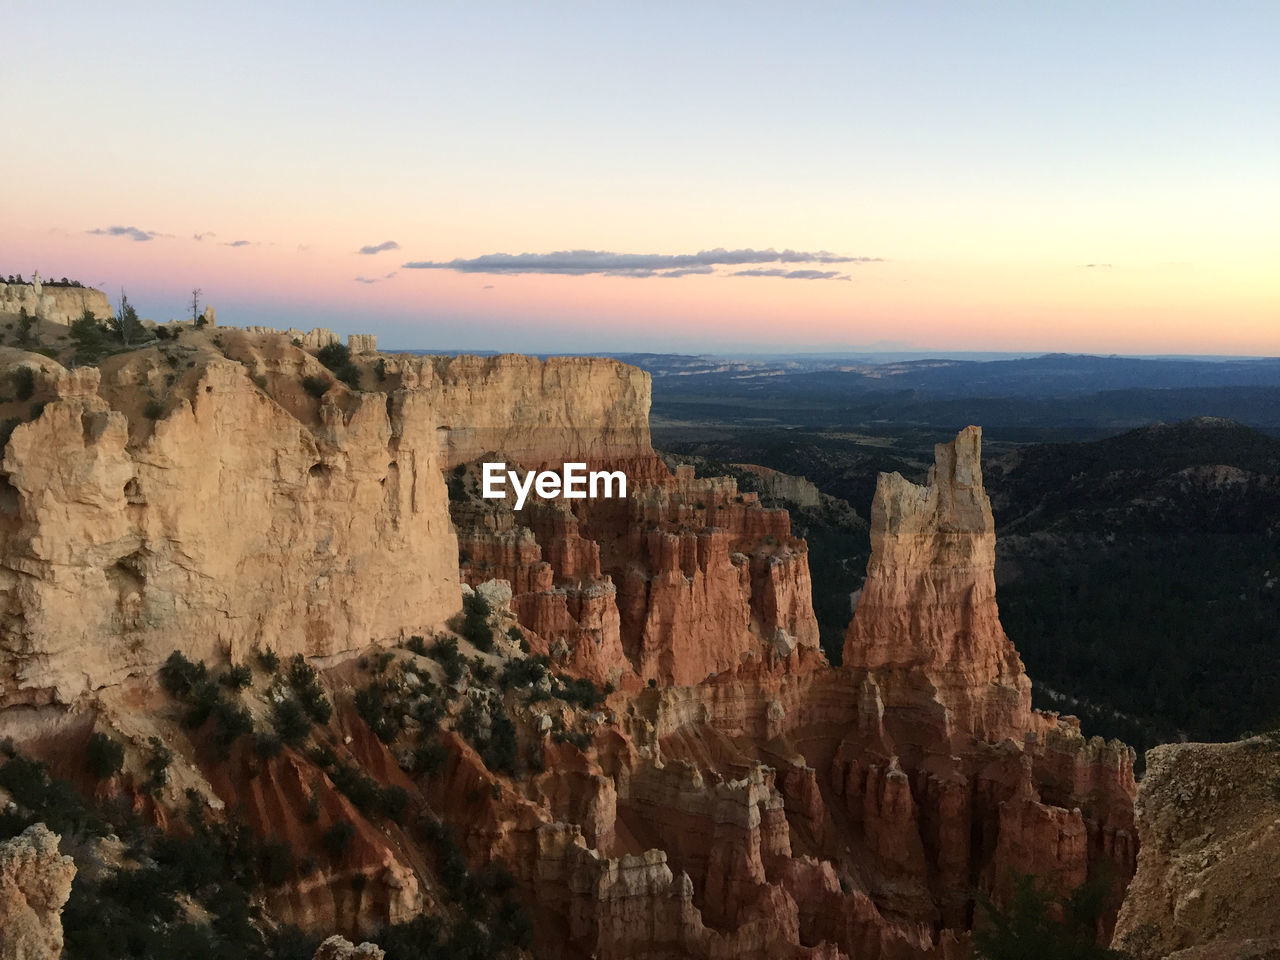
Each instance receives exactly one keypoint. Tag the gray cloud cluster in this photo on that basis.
(793, 274)
(133, 233)
(606, 263)
(373, 248)
(238, 243)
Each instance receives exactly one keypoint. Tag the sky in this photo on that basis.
(1097, 177)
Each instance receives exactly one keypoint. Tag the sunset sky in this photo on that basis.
(1097, 177)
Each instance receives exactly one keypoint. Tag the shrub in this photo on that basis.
(231, 722)
(302, 678)
(337, 840)
(153, 410)
(55, 802)
(370, 703)
(158, 762)
(104, 756)
(475, 622)
(501, 752)
(445, 651)
(416, 644)
(525, 672)
(316, 386)
(238, 677)
(180, 676)
(337, 358)
(291, 722)
(580, 692)
(24, 382)
(268, 660)
(428, 757)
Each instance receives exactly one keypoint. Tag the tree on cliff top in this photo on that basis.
(126, 324)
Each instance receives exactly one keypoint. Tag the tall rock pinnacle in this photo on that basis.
(927, 614)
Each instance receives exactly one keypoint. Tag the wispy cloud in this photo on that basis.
(588, 262)
(239, 243)
(133, 233)
(379, 247)
(793, 274)
(200, 237)
(1099, 266)
(385, 276)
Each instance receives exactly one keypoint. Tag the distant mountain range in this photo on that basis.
(1052, 397)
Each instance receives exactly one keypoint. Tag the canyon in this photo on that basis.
(722, 791)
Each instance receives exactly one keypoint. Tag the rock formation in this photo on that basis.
(57, 304)
(734, 795)
(35, 881)
(244, 515)
(340, 948)
(927, 612)
(1206, 880)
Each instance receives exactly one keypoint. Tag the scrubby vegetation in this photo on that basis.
(103, 756)
(475, 622)
(191, 683)
(1037, 923)
(337, 358)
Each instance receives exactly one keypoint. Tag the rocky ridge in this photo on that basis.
(734, 795)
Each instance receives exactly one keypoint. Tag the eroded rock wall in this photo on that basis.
(242, 515)
(55, 304)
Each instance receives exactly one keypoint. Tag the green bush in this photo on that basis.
(180, 676)
(291, 722)
(24, 382)
(445, 652)
(45, 799)
(158, 762)
(268, 660)
(337, 840)
(316, 386)
(416, 644)
(337, 358)
(306, 685)
(475, 622)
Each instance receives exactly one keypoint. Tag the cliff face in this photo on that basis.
(537, 413)
(1205, 885)
(56, 304)
(242, 516)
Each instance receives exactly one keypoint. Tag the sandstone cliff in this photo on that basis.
(56, 304)
(246, 513)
